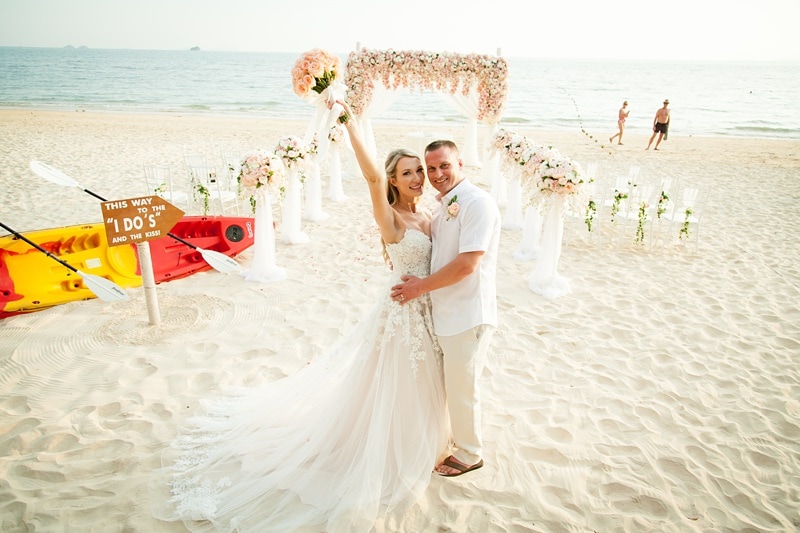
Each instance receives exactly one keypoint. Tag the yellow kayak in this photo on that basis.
(30, 280)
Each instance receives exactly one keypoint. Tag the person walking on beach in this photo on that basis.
(621, 116)
(660, 125)
(462, 287)
(353, 434)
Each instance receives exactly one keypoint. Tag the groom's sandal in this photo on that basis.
(462, 469)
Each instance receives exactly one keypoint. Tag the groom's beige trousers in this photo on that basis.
(464, 359)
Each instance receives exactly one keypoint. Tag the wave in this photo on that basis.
(768, 130)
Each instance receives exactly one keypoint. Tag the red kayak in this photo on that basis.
(31, 281)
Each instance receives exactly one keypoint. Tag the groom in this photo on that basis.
(466, 235)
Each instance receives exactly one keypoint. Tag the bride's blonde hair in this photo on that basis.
(392, 194)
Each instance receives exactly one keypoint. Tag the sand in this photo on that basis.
(661, 394)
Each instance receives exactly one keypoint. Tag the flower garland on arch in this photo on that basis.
(429, 71)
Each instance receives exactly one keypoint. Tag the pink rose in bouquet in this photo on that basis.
(315, 71)
(261, 168)
(292, 152)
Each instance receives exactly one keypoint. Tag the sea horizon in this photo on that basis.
(708, 98)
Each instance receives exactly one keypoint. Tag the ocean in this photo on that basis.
(707, 99)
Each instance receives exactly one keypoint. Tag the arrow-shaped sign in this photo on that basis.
(138, 219)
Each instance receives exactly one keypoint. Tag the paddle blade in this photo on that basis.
(106, 290)
(220, 262)
(52, 174)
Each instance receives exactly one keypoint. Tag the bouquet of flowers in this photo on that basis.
(558, 174)
(314, 77)
(294, 154)
(261, 168)
(315, 71)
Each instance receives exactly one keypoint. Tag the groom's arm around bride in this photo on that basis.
(466, 235)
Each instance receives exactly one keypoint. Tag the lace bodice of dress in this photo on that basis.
(410, 256)
(411, 324)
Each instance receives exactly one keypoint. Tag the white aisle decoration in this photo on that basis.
(262, 178)
(313, 185)
(557, 182)
(315, 78)
(295, 158)
(548, 181)
(336, 136)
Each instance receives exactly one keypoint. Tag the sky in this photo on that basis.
(711, 30)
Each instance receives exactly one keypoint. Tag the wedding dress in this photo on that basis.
(353, 435)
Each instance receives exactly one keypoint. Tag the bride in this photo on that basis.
(351, 436)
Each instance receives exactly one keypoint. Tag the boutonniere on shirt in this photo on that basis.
(452, 208)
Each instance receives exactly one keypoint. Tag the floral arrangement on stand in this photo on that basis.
(315, 78)
(312, 149)
(314, 72)
(294, 154)
(261, 168)
(542, 170)
(487, 75)
(559, 176)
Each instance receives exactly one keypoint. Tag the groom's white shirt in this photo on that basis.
(472, 301)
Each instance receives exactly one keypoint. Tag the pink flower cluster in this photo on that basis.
(542, 170)
(314, 71)
(452, 210)
(519, 155)
(429, 71)
(260, 168)
(293, 153)
(559, 174)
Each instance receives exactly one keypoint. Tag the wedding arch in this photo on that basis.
(475, 85)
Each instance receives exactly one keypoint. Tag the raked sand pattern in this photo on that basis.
(662, 394)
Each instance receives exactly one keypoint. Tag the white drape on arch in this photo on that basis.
(467, 105)
(383, 99)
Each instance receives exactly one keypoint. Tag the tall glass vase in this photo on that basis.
(291, 210)
(263, 269)
(545, 279)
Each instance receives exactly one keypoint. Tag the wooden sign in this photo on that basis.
(138, 219)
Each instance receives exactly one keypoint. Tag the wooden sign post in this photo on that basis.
(138, 220)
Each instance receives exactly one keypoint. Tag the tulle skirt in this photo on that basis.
(350, 437)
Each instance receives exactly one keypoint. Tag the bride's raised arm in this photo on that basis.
(375, 175)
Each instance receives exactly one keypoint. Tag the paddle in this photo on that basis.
(218, 261)
(104, 289)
